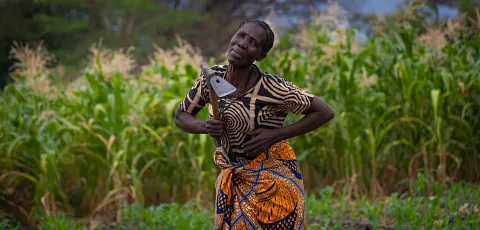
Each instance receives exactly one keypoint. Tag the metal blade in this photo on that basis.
(207, 71)
(221, 86)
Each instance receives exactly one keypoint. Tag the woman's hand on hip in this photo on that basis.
(261, 140)
(214, 127)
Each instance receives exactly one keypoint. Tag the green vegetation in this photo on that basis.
(406, 102)
(452, 209)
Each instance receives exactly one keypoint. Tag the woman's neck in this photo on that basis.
(239, 76)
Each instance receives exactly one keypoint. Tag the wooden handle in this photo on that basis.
(214, 103)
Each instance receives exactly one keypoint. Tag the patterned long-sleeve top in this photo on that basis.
(265, 105)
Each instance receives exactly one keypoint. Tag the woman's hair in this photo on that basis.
(268, 31)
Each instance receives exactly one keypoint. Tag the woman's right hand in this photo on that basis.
(214, 127)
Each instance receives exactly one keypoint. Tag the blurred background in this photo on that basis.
(68, 28)
(89, 89)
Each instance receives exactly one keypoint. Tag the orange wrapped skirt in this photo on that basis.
(266, 193)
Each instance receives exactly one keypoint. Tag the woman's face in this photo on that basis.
(246, 45)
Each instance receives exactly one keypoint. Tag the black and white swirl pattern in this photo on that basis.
(265, 106)
(297, 99)
(271, 116)
(236, 121)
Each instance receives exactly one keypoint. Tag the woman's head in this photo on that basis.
(250, 43)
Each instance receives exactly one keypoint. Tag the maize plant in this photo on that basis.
(406, 101)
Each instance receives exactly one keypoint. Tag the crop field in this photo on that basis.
(103, 151)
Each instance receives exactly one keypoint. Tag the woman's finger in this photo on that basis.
(214, 122)
(251, 142)
(255, 132)
(216, 134)
(251, 147)
(216, 126)
(215, 131)
(248, 149)
(256, 152)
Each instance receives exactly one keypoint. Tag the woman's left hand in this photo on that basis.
(261, 140)
(315, 116)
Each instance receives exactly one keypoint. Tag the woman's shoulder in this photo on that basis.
(282, 84)
(273, 78)
(219, 69)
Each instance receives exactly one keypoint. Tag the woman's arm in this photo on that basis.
(317, 115)
(190, 124)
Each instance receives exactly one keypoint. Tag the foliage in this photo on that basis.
(457, 208)
(404, 102)
(403, 105)
(6, 223)
(168, 216)
(69, 27)
(105, 141)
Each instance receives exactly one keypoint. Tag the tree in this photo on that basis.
(69, 27)
(225, 16)
(466, 6)
(15, 24)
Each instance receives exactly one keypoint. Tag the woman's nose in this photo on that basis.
(242, 44)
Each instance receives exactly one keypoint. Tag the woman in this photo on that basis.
(260, 185)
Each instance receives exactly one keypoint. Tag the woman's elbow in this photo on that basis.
(323, 109)
(178, 118)
(330, 114)
(326, 111)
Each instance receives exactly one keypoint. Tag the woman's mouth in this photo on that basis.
(236, 54)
